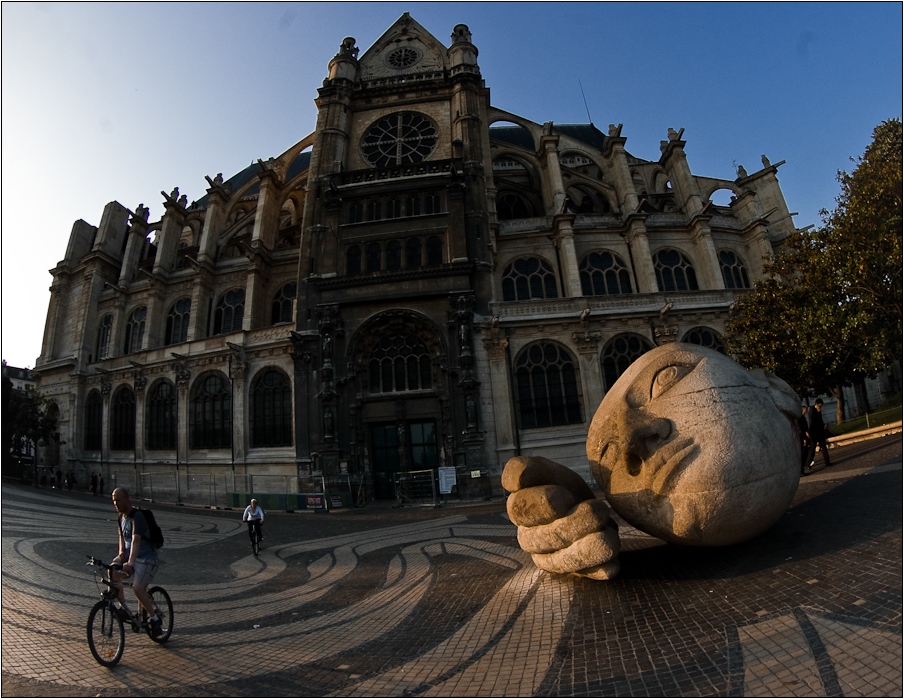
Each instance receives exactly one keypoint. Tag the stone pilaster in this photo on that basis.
(564, 241)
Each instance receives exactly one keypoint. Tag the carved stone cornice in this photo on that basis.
(496, 347)
(587, 340)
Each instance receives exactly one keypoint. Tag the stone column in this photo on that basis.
(183, 379)
(137, 238)
(55, 313)
(106, 389)
(501, 386)
(169, 236)
(617, 157)
(214, 222)
(555, 189)
(684, 185)
(266, 218)
(568, 262)
(587, 343)
(201, 298)
(707, 260)
(155, 326)
(139, 383)
(641, 257)
(237, 370)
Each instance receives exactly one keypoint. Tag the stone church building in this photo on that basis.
(425, 280)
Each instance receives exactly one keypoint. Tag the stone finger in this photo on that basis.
(539, 505)
(585, 518)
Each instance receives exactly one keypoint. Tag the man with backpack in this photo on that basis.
(137, 556)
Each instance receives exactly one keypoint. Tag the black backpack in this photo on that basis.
(156, 537)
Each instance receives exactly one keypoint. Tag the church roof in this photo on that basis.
(301, 163)
(521, 137)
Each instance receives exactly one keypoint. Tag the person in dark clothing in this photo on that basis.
(804, 429)
(818, 434)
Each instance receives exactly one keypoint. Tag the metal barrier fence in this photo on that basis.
(416, 487)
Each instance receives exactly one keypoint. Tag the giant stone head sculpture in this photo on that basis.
(691, 447)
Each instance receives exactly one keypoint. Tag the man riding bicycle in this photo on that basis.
(254, 516)
(136, 555)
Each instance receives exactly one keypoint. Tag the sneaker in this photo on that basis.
(156, 627)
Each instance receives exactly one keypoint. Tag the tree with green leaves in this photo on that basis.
(828, 312)
(27, 417)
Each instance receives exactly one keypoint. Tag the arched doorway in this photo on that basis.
(398, 355)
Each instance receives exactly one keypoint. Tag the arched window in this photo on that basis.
(674, 272)
(393, 255)
(355, 212)
(734, 271)
(434, 251)
(94, 421)
(413, 206)
(135, 330)
(271, 410)
(529, 278)
(546, 386)
(374, 210)
(211, 413)
(230, 312)
(706, 337)
(177, 321)
(604, 273)
(412, 253)
(122, 419)
(433, 203)
(281, 309)
(161, 416)
(353, 260)
(372, 257)
(510, 206)
(104, 332)
(399, 139)
(618, 355)
(400, 363)
(394, 208)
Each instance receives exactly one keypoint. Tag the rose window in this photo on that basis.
(403, 58)
(399, 139)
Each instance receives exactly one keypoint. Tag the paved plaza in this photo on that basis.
(442, 602)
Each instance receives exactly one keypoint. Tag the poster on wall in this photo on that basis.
(446, 479)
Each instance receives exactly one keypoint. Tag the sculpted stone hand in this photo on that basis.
(560, 522)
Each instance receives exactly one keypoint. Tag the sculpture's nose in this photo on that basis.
(641, 436)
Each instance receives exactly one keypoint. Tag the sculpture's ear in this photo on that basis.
(783, 396)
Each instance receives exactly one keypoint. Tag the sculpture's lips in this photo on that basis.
(668, 463)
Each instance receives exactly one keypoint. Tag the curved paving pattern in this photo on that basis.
(451, 607)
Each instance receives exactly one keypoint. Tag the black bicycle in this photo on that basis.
(254, 531)
(107, 620)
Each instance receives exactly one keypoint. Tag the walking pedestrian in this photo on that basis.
(816, 428)
(804, 429)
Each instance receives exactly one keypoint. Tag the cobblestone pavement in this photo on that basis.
(442, 602)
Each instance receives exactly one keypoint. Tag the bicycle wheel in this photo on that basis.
(106, 635)
(255, 542)
(163, 605)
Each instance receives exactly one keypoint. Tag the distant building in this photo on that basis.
(424, 280)
(21, 379)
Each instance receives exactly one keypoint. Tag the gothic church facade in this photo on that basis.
(425, 280)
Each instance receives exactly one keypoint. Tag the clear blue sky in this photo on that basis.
(110, 101)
